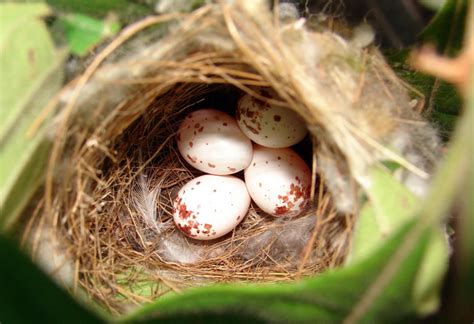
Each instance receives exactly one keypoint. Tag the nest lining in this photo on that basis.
(120, 153)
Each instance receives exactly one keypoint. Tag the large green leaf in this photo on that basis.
(27, 295)
(31, 73)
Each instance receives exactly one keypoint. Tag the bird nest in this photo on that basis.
(115, 170)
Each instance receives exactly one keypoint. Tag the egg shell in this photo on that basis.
(278, 180)
(269, 125)
(211, 141)
(210, 206)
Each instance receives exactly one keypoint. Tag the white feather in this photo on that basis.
(144, 198)
(175, 248)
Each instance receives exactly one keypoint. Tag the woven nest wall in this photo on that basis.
(115, 170)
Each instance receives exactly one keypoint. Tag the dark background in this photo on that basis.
(396, 22)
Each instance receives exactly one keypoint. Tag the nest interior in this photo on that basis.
(135, 216)
(122, 234)
(115, 169)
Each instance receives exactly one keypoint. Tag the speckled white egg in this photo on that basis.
(269, 125)
(211, 141)
(210, 206)
(278, 180)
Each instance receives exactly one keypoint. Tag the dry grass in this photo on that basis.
(117, 126)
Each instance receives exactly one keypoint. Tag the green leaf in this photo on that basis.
(455, 182)
(392, 166)
(461, 302)
(433, 4)
(25, 55)
(431, 273)
(83, 32)
(366, 235)
(31, 75)
(446, 30)
(29, 296)
(389, 207)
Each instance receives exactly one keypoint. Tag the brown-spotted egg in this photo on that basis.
(210, 206)
(211, 141)
(269, 125)
(278, 180)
